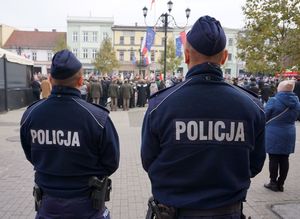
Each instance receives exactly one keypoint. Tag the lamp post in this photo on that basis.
(165, 21)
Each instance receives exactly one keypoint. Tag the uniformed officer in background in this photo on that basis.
(72, 144)
(203, 139)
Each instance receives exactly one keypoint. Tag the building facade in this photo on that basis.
(85, 35)
(233, 66)
(5, 33)
(35, 45)
(128, 46)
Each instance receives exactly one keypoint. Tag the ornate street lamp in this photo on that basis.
(165, 21)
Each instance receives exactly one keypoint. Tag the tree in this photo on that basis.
(172, 61)
(270, 41)
(106, 60)
(60, 44)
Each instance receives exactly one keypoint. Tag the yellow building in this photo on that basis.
(127, 41)
(5, 32)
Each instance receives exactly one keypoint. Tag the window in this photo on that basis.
(230, 42)
(132, 40)
(49, 56)
(229, 57)
(228, 71)
(75, 36)
(94, 52)
(142, 38)
(105, 35)
(152, 56)
(132, 56)
(121, 56)
(34, 56)
(121, 40)
(85, 37)
(85, 53)
(75, 52)
(95, 36)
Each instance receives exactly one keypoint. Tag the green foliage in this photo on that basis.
(270, 41)
(60, 45)
(173, 62)
(106, 60)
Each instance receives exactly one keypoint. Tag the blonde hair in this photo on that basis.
(286, 86)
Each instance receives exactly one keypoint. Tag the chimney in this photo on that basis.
(53, 30)
(136, 24)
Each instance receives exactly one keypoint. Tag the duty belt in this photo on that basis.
(225, 210)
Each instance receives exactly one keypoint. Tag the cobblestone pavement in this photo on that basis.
(131, 187)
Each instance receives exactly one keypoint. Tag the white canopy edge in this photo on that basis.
(12, 57)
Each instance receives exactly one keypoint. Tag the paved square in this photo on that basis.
(131, 187)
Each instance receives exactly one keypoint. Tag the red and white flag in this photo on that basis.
(152, 2)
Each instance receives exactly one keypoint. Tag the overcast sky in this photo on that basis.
(52, 14)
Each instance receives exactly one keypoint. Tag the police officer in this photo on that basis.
(68, 141)
(203, 139)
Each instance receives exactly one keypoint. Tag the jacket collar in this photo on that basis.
(62, 90)
(206, 69)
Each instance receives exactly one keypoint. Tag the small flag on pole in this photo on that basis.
(152, 2)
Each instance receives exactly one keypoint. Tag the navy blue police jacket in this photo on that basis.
(202, 141)
(68, 140)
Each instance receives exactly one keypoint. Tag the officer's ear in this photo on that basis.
(80, 81)
(51, 80)
(224, 56)
(187, 54)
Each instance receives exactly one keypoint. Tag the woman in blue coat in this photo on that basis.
(281, 113)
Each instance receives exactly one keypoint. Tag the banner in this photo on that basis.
(178, 47)
(150, 37)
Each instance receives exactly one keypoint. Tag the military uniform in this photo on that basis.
(68, 140)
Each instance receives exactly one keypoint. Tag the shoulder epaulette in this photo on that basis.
(160, 91)
(102, 107)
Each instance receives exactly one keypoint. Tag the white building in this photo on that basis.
(35, 45)
(233, 65)
(85, 35)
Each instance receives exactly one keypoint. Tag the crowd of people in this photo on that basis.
(111, 92)
(115, 93)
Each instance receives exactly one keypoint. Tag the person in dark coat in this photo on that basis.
(253, 86)
(281, 113)
(266, 92)
(132, 98)
(103, 98)
(36, 89)
(142, 89)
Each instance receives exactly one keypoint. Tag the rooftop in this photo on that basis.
(34, 39)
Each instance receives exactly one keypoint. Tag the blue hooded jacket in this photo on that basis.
(280, 129)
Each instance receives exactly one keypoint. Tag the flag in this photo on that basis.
(152, 2)
(148, 40)
(183, 37)
(178, 47)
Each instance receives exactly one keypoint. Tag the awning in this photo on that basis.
(12, 57)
